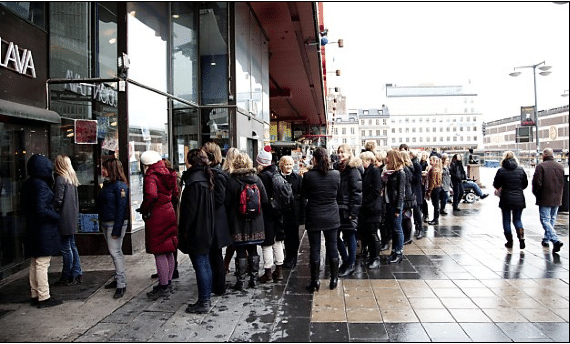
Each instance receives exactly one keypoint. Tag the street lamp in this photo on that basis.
(545, 72)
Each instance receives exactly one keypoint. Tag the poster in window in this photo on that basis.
(85, 131)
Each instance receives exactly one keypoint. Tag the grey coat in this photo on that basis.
(66, 205)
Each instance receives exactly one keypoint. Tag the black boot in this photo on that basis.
(254, 274)
(419, 232)
(241, 272)
(395, 258)
(334, 273)
(347, 270)
(509, 237)
(407, 228)
(374, 262)
(520, 235)
(315, 270)
(200, 307)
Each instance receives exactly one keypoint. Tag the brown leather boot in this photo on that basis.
(266, 276)
(278, 273)
(520, 235)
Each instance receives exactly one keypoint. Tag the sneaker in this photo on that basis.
(158, 291)
(49, 303)
(556, 246)
(120, 292)
(111, 285)
(484, 196)
(407, 242)
(433, 223)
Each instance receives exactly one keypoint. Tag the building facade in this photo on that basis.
(373, 126)
(425, 117)
(93, 80)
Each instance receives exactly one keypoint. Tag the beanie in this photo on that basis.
(263, 158)
(150, 158)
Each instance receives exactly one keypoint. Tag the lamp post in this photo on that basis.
(544, 72)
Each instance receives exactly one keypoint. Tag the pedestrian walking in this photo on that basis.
(458, 175)
(372, 207)
(349, 202)
(245, 200)
(292, 215)
(320, 186)
(272, 247)
(112, 203)
(548, 187)
(435, 187)
(67, 206)
(510, 181)
(395, 179)
(222, 236)
(42, 235)
(197, 224)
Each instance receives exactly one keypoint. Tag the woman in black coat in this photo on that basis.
(457, 173)
(222, 236)
(349, 201)
(418, 190)
(394, 194)
(320, 187)
(42, 236)
(372, 207)
(292, 216)
(196, 224)
(246, 232)
(511, 180)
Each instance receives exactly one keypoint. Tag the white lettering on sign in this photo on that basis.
(99, 92)
(16, 59)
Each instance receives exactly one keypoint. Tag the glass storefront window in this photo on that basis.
(106, 62)
(185, 59)
(147, 25)
(32, 11)
(186, 130)
(214, 52)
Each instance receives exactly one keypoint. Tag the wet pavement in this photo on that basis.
(458, 284)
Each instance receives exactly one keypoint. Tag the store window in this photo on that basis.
(214, 52)
(185, 58)
(32, 11)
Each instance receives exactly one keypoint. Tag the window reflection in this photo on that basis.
(185, 51)
(214, 52)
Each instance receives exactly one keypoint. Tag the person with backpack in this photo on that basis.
(349, 202)
(292, 215)
(196, 224)
(245, 200)
(280, 197)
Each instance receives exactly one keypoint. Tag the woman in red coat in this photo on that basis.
(161, 237)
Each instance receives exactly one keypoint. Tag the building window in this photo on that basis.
(455, 139)
(427, 139)
(407, 130)
(468, 138)
(363, 142)
(384, 121)
(474, 128)
(448, 139)
(400, 140)
(377, 122)
(361, 122)
(421, 129)
(413, 130)
(474, 119)
(421, 139)
(400, 130)
(427, 130)
(460, 128)
(393, 140)
(365, 112)
(474, 138)
(344, 131)
(441, 129)
(393, 130)
(369, 132)
(363, 133)
(352, 131)
(435, 140)
(384, 132)
(377, 132)
(414, 139)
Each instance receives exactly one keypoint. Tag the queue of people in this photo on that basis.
(218, 204)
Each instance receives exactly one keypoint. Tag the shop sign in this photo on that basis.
(99, 92)
(16, 59)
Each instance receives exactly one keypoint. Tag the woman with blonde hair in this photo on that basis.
(394, 194)
(231, 154)
(511, 180)
(291, 216)
(435, 187)
(67, 205)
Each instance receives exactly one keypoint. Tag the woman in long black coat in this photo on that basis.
(42, 236)
(457, 173)
(320, 187)
(394, 194)
(292, 216)
(222, 236)
(511, 179)
(196, 225)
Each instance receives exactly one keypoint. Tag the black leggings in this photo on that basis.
(315, 243)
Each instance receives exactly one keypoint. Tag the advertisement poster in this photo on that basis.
(527, 116)
(85, 131)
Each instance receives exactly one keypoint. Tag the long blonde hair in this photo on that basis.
(509, 155)
(406, 157)
(395, 161)
(63, 167)
(230, 156)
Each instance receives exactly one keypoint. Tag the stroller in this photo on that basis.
(469, 195)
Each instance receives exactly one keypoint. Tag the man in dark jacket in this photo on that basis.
(547, 186)
(41, 227)
(458, 175)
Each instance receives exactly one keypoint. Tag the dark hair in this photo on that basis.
(404, 146)
(322, 162)
(197, 157)
(455, 158)
(114, 170)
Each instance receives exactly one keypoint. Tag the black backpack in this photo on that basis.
(249, 204)
(282, 192)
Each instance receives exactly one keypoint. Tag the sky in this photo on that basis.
(474, 44)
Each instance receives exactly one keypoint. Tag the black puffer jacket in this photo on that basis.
(222, 236)
(37, 201)
(350, 195)
(457, 172)
(512, 180)
(417, 188)
(372, 203)
(292, 217)
(273, 219)
(321, 193)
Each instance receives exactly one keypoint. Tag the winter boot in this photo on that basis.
(520, 235)
(315, 270)
(407, 228)
(374, 262)
(278, 273)
(241, 272)
(200, 307)
(266, 276)
(334, 273)
(509, 237)
(254, 274)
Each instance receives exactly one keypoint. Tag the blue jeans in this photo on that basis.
(315, 244)
(115, 247)
(548, 219)
(517, 213)
(443, 200)
(71, 263)
(348, 258)
(397, 231)
(475, 187)
(201, 264)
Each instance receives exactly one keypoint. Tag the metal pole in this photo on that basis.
(536, 116)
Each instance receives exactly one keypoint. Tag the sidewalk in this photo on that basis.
(458, 284)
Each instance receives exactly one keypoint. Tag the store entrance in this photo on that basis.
(18, 142)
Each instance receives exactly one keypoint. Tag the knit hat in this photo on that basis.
(264, 158)
(150, 158)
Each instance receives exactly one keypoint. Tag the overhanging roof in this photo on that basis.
(28, 112)
(295, 71)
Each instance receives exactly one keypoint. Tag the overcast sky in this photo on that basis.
(450, 43)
